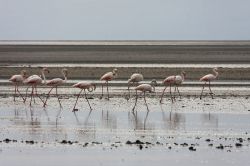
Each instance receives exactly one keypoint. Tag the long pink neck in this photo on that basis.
(216, 73)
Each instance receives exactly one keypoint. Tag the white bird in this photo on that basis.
(33, 81)
(134, 80)
(54, 83)
(83, 85)
(144, 88)
(208, 78)
(108, 77)
(17, 80)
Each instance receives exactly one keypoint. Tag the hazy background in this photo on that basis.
(125, 19)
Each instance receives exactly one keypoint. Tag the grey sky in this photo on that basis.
(124, 20)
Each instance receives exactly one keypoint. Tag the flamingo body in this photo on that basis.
(136, 77)
(17, 79)
(208, 77)
(83, 85)
(144, 88)
(55, 82)
(169, 80)
(107, 77)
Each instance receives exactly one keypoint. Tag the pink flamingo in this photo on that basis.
(169, 81)
(54, 83)
(83, 86)
(33, 81)
(208, 78)
(17, 80)
(108, 77)
(134, 80)
(178, 81)
(144, 88)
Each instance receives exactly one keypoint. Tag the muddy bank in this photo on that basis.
(94, 73)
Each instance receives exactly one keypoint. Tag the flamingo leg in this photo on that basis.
(31, 95)
(15, 94)
(102, 91)
(162, 94)
(26, 93)
(58, 98)
(128, 91)
(202, 90)
(20, 93)
(87, 99)
(39, 95)
(76, 101)
(178, 91)
(136, 98)
(144, 96)
(108, 89)
(171, 93)
(211, 93)
(174, 91)
(45, 103)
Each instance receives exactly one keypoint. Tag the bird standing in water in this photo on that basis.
(55, 83)
(134, 80)
(208, 78)
(83, 85)
(108, 77)
(33, 81)
(144, 88)
(17, 80)
(178, 81)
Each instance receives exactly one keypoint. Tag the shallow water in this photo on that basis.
(111, 124)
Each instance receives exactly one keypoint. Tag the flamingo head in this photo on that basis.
(45, 69)
(65, 71)
(153, 84)
(183, 73)
(92, 87)
(115, 72)
(24, 73)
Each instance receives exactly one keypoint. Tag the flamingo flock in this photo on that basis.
(171, 81)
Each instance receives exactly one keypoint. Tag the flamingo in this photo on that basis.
(55, 83)
(134, 80)
(108, 77)
(208, 78)
(178, 81)
(17, 80)
(145, 88)
(83, 85)
(169, 81)
(33, 81)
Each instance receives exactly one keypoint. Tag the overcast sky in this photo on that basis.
(125, 19)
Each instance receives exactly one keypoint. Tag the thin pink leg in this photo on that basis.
(45, 103)
(74, 109)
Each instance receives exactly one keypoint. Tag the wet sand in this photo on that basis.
(190, 131)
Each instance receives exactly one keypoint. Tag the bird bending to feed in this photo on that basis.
(54, 83)
(144, 88)
(208, 78)
(134, 80)
(108, 77)
(178, 81)
(33, 81)
(17, 80)
(169, 81)
(83, 85)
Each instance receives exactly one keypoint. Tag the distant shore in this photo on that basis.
(194, 52)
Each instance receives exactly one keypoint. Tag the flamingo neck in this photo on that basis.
(44, 78)
(216, 73)
(182, 76)
(65, 77)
